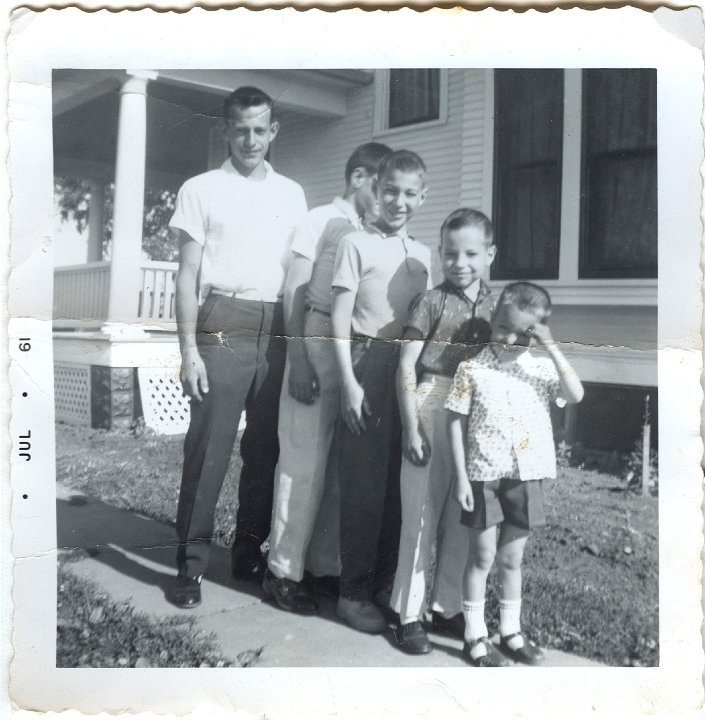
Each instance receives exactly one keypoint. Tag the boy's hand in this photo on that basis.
(463, 494)
(193, 376)
(303, 381)
(543, 334)
(354, 407)
(415, 446)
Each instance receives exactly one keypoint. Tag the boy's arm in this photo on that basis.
(354, 404)
(415, 444)
(193, 372)
(571, 389)
(303, 381)
(457, 429)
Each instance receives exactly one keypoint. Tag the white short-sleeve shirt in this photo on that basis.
(245, 227)
(386, 272)
(509, 421)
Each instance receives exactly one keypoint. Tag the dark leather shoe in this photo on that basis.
(453, 626)
(289, 595)
(186, 592)
(412, 639)
(528, 653)
(248, 564)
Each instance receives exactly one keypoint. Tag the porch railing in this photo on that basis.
(81, 292)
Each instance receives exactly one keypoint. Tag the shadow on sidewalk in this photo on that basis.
(135, 546)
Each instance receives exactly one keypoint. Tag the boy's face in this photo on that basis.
(365, 199)
(249, 132)
(465, 255)
(512, 326)
(399, 195)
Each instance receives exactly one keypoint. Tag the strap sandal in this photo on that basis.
(529, 653)
(491, 658)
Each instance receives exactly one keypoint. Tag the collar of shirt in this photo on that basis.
(402, 234)
(349, 211)
(232, 170)
(482, 293)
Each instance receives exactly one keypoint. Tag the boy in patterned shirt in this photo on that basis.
(502, 448)
(446, 325)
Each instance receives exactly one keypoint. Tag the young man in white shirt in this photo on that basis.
(234, 225)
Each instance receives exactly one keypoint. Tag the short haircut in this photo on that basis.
(527, 296)
(404, 161)
(467, 217)
(247, 97)
(367, 156)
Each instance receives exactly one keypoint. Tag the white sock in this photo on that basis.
(510, 621)
(474, 614)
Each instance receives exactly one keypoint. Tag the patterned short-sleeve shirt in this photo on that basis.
(509, 421)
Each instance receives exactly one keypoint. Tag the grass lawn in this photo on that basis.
(93, 631)
(590, 577)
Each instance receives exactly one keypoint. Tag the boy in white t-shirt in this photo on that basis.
(305, 511)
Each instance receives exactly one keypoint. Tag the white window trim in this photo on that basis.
(381, 112)
(568, 289)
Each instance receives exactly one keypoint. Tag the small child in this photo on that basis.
(378, 271)
(446, 325)
(502, 448)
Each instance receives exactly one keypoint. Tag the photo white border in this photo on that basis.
(314, 39)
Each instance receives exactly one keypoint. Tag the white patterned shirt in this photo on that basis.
(509, 421)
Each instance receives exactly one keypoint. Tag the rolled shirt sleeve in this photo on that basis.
(348, 266)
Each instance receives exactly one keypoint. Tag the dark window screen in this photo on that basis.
(414, 96)
(527, 179)
(619, 232)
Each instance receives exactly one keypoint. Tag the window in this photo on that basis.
(410, 97)
(619, 200)
(527, 179)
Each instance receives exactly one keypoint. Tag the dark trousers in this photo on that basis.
(243, 348)
(370, 505)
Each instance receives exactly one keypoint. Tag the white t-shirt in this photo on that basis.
(386, 272)
(245, 227)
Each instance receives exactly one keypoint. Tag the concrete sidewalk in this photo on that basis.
(131, 557)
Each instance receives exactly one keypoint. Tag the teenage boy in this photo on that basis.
(305, 494)
(378, 271)
(233, 224)
(446, 326)
(501, 449)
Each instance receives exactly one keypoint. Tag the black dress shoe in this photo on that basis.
(529, 653)
(186, 592)
(412, 639)
(453, 626)
(289, 595)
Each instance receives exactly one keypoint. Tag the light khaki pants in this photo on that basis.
(430, 514)
(305, 512)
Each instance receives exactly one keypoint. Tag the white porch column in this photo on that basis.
(95, 221)
(126, 248)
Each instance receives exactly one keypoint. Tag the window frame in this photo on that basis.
(569, 288)
(381, 107)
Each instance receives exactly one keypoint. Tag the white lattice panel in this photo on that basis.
(72, 393)
(165, 408)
